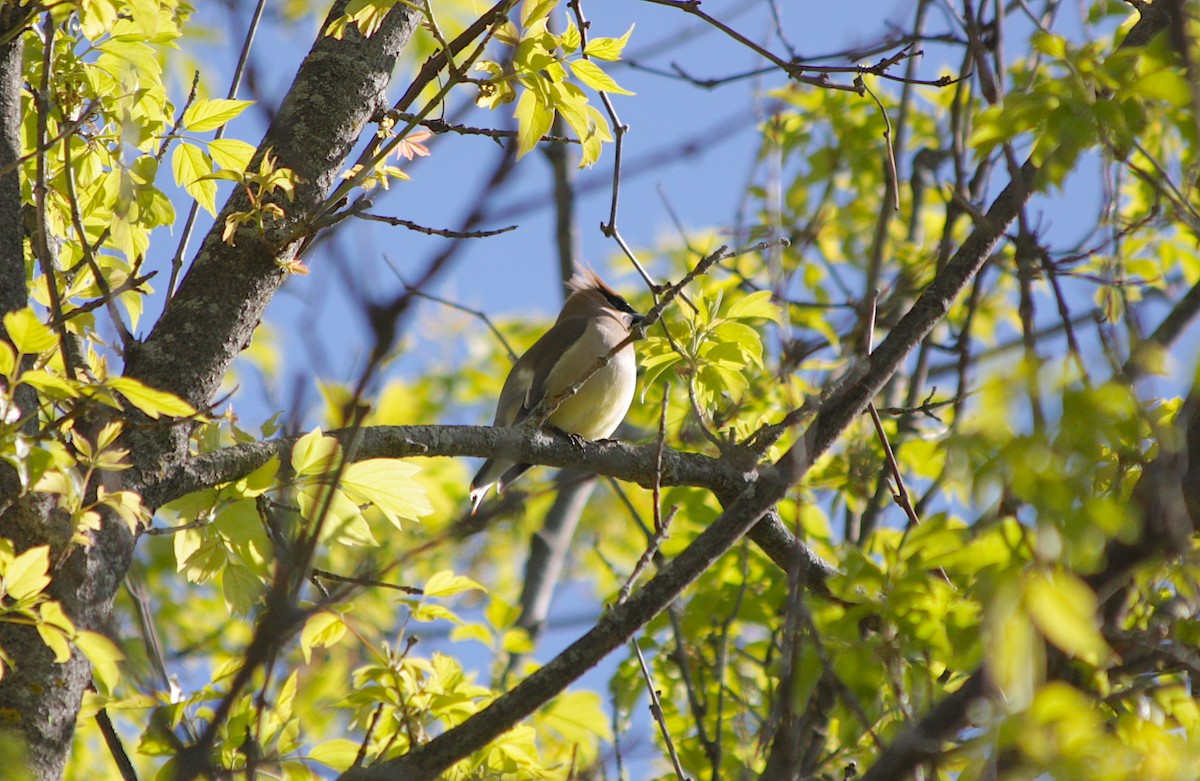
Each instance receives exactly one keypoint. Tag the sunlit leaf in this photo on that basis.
(154, 403)
(210, 114)
(445, 583)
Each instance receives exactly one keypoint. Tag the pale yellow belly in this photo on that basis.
(600, 405)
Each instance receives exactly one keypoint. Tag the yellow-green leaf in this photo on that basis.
(315, 454)
(338, 753)
(8, 360)
(430, 612)
(150, 401)
(445, 583)
(579, 717)
(28, 333)
(56, 641)
(104, 656)
(259, 481)
(1167, 84)
(192, 169)
(755, 305)
(321, 631)
(26, 575)
(48, 383)
(211, 114)
(387, 483)
(535, 10)
(608, 48)
(534, 119)
(590, 74)
(1016, 654)
(231, 153)
(241, 589)
(1064, 610)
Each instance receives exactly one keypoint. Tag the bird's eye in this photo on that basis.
(619, 303)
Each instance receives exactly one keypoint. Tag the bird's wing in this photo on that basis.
(529, 375)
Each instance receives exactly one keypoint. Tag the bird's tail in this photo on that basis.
(493, 472)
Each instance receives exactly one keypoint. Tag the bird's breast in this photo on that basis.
(596, 410)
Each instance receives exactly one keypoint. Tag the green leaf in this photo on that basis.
(1167, 85)
(321, 630)
(445, 583)
(28, 333)
(590, 74)
(608, 48)
(315, 454)
(755, 305)
(1064, 610)
(241, 589)
(151, 402)
(212, 113)
(387, 483)
(338, 753)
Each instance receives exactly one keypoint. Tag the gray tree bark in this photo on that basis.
(337, 90)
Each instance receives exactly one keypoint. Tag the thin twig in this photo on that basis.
(657, 712)
(619, 128)
(440, 126)
(365, 581)
(416, 291)
(447, 232)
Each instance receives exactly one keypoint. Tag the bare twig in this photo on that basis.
(447, 232)
(656, 712)
(619, 128)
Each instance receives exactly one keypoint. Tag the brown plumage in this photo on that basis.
(593, 321)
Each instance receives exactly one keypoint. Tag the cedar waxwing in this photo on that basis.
(593, 321)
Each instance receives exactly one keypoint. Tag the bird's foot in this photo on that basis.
(575, 438)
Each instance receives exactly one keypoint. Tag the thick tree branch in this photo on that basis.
(338, 89)
(627, 462)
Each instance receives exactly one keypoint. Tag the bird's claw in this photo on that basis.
(576, 440)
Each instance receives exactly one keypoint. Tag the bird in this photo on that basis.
(594, 320)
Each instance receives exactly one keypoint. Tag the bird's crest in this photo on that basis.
(586, 279)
